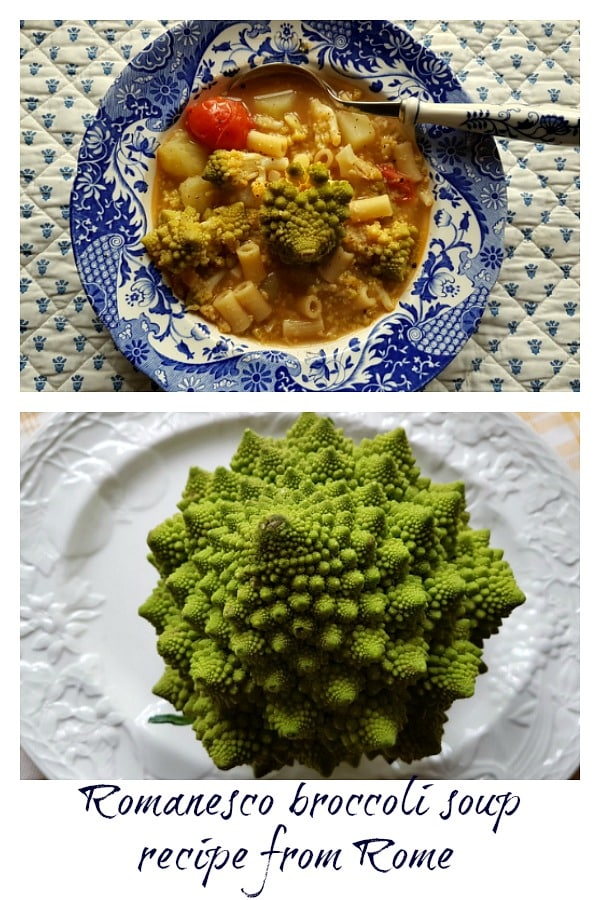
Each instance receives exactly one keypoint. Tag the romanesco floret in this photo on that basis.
(387, 251)
(177, 241)
(321, 601)
(302, 225)
(233, 168)
(183, 240)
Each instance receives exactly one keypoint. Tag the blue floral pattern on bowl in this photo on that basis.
(111, 211)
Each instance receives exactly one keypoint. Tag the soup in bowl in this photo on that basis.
(285, 217)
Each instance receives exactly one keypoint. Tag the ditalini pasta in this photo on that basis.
(251, 261)
(365, 209)
(228, 305)
(348, 264)
(310, 307)
(251, 298)
(274, 145)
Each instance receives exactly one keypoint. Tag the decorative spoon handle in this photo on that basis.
(548, 124)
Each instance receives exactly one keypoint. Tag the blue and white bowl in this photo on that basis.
(111, 203)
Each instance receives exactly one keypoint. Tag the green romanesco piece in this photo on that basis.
(183, 240)
(168, 544)
(175, 688)
(320, 601)
(233, 168)
(386, 251)
(158, 608)
(178, 241)
(303, 224)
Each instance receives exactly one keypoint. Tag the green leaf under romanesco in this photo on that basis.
(319, 601)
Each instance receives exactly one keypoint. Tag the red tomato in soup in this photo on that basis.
(220, 123)
(401, 186)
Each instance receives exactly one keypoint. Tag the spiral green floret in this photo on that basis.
(233, 168)
(319, 602)
(384, 250)
(167, 543)
(303, 225)
(183, 240)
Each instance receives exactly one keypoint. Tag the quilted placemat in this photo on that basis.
(528, 339)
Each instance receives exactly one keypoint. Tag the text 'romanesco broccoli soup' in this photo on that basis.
(283, 217)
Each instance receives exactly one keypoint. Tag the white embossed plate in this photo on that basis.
(93, 484)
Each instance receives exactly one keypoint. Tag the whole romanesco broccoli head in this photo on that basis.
(320, 601)
(387, 251)
(233, 168)
(184, 240)
(302, 225)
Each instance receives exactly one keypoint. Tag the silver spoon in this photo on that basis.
(540, 124)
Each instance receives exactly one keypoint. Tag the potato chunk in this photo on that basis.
(180, 156)
(357, 128)
(195, 191)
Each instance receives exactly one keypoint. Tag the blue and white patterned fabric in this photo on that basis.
(528, 339)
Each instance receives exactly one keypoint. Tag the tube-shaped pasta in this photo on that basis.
(382, 297)
(387, 302)
(325, 156)
(252, 300)
(270, 144)
(251, 262)
(310, 307)
(302, 329)
(338, 262)
(362, 300)
(268, 123)
(275, 168)
(278, 165)
(234, 314)
(366, 208)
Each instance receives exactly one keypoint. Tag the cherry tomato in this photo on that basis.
(220, 123)
(399, 184)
